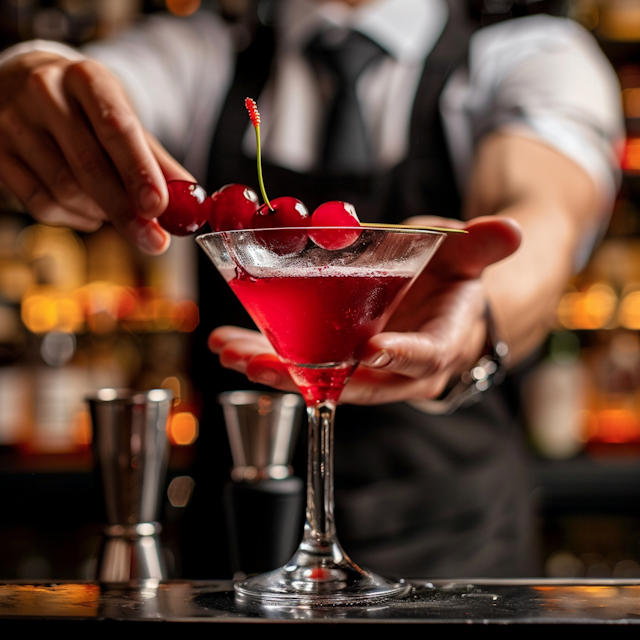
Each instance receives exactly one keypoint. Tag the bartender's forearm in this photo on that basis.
(558, 207)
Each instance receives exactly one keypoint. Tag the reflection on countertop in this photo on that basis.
(469, 602)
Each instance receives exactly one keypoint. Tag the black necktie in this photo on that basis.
(345, 55)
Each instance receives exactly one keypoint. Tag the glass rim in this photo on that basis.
(363, 227)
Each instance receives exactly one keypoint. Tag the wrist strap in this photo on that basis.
(490, 370)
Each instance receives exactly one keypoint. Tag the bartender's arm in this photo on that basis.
(520, 188)
(557, 205)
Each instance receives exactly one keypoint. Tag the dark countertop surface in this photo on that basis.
(494, 603)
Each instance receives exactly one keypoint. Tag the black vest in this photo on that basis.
(416, 495)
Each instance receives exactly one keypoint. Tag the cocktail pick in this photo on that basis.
(384, 225)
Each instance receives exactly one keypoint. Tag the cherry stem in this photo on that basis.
(260, 180)
(254, 114)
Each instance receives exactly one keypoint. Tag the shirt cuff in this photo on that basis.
(46, 46)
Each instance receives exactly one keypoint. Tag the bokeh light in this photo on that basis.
(183, 428)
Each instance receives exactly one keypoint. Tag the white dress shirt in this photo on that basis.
(292, 104)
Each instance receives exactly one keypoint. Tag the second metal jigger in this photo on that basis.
(264, 501)
(131, 451)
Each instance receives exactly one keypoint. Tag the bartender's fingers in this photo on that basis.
(86, 116)
(119, 133)
(94, 171)
(268, 369)
(36, 199)
(442, 348)
(443, 335)
(35, 149)
(250, 353)
(236, 346)
(236, 354)
(369, 387)
(415, 355)
(85, 111)
(220, 337)
(147, 235)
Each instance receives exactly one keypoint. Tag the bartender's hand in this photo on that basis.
(74, 153)
(437, 332)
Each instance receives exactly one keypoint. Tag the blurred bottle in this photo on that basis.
(614, 408)
(555, 399)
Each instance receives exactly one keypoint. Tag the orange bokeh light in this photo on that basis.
(183, 7)
(615, 426)
(631, 155)
(183, 428)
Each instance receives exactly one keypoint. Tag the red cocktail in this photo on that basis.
(339, 311)
(317, 306)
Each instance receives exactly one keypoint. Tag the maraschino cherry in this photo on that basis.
(335, 214)
(232, 207)
(285, 212)
(281, 212)
(187, 211)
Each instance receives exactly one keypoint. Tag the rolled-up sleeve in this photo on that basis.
(543, 77)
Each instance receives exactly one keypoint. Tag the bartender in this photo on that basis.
(511, 127)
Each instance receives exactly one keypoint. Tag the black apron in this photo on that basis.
(416, 495)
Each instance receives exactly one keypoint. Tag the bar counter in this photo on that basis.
(465, 603)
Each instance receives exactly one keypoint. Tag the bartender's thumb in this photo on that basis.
(489, 239)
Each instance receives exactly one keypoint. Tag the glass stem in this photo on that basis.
(320, 530)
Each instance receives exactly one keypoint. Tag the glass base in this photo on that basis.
(312, 578)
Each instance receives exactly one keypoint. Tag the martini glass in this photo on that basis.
(317, 306)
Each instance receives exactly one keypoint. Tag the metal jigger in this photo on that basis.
(131, 449)
(264, 502)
